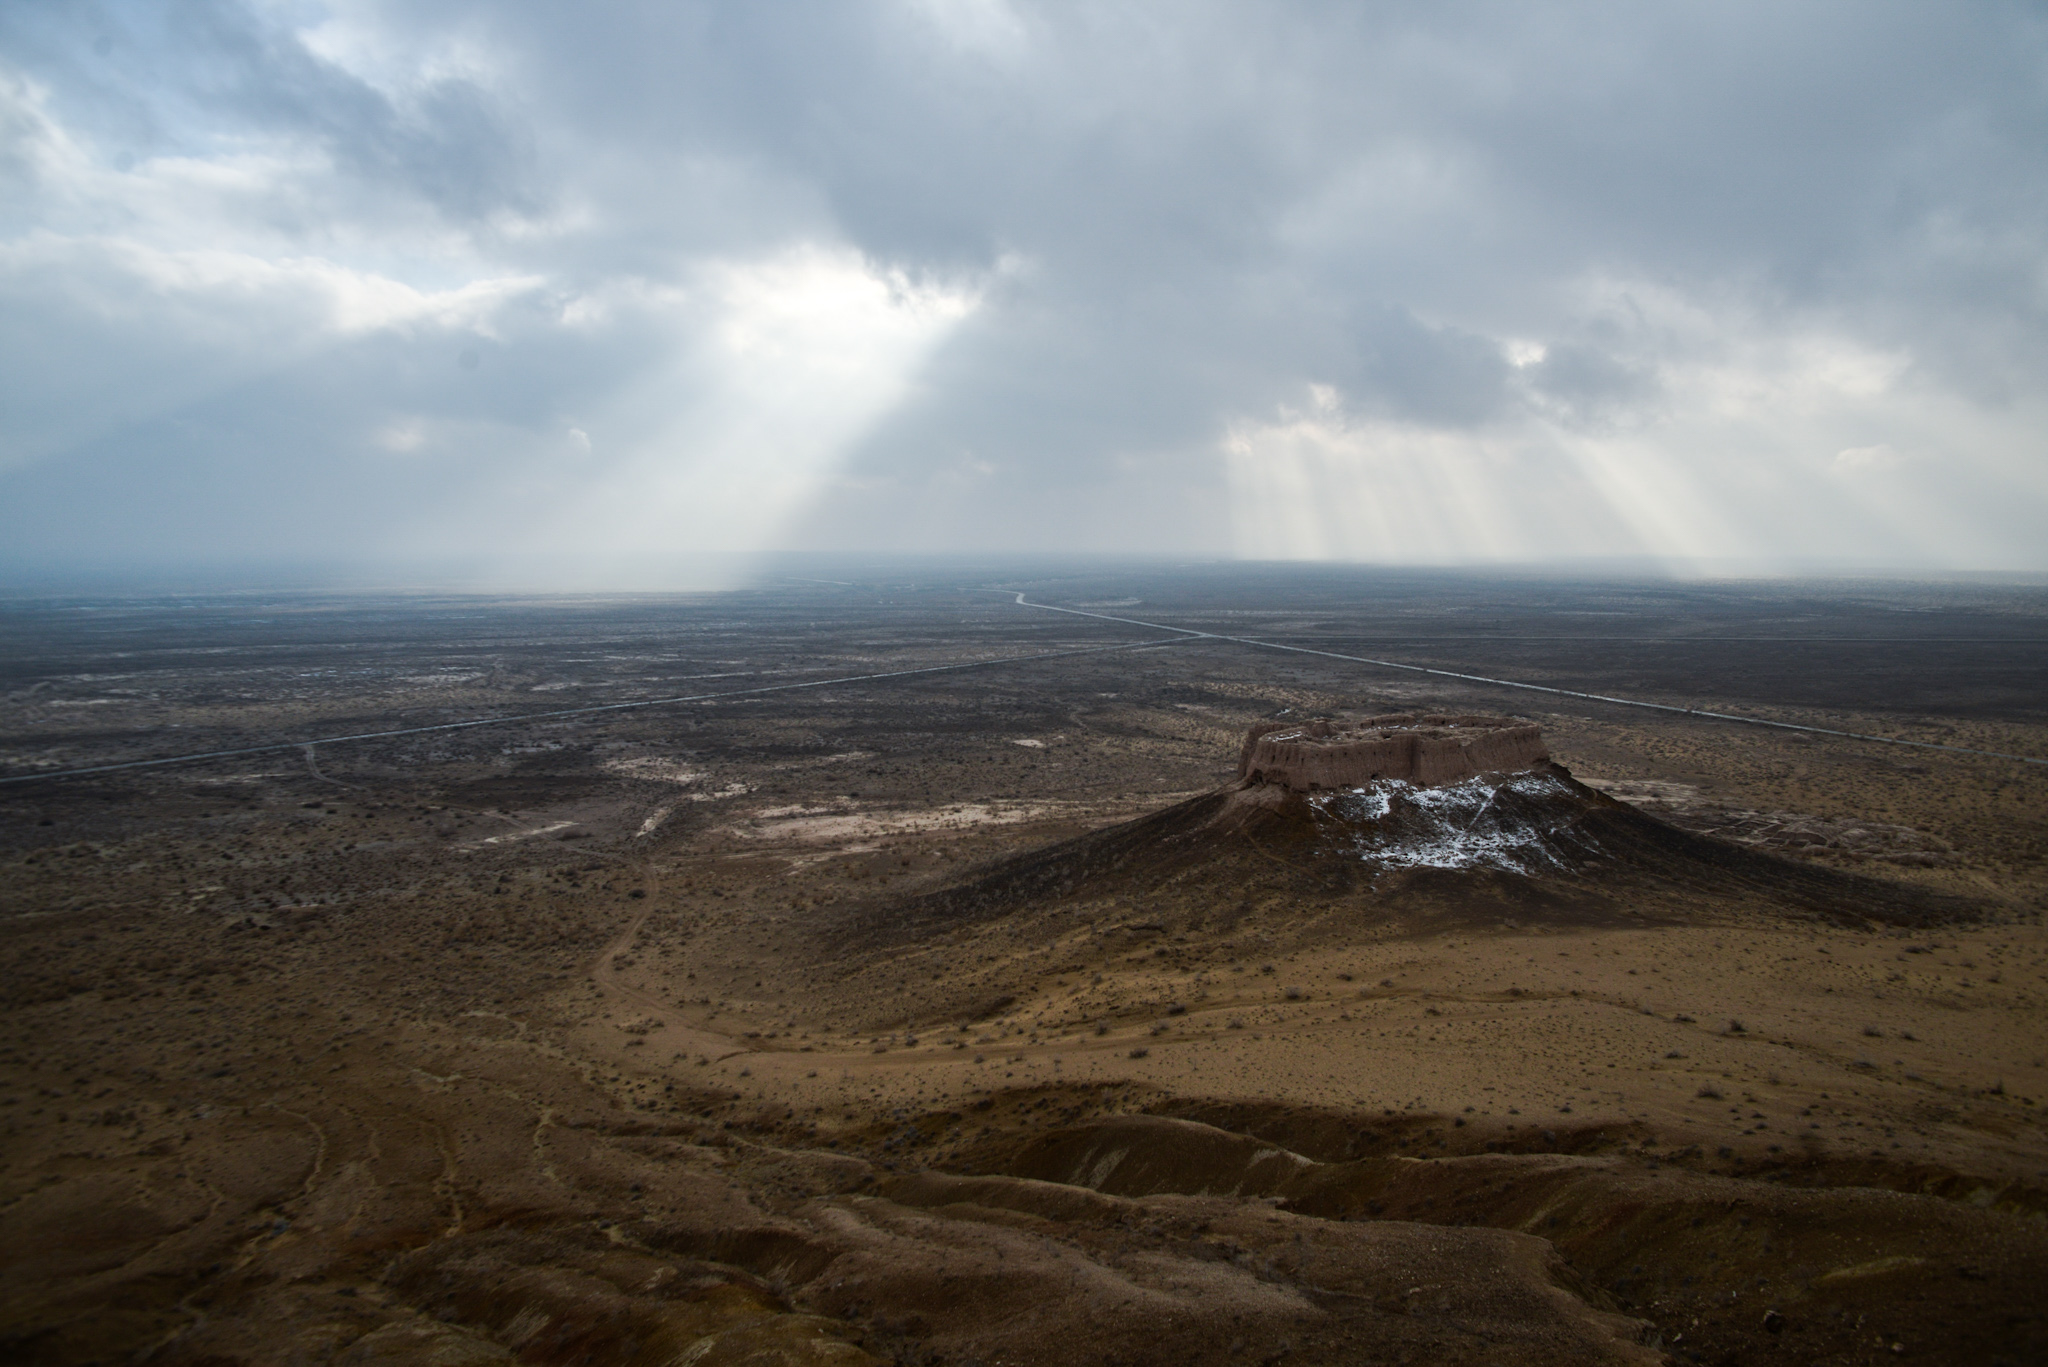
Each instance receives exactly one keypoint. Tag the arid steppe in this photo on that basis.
(924, 1019)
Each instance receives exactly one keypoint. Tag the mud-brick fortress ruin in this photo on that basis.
(1423, 750)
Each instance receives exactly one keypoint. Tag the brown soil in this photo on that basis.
(866, 1033)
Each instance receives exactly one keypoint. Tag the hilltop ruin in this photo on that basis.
(1425, 750)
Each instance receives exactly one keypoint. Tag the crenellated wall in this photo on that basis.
(1426, 750)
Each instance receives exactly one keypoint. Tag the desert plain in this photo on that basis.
(851, 969)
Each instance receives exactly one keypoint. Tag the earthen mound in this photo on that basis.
(1521, 843)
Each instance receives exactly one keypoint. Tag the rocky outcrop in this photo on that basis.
(1426, 750)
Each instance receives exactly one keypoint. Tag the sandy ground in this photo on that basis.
(584, 1045)
(1790, 1038)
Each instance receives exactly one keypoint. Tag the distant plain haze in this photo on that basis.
(601, 295)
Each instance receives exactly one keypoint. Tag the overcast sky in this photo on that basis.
(567, 293)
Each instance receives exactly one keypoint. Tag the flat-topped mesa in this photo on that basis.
(1423, 750)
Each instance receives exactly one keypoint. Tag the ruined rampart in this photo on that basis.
(1426, 750)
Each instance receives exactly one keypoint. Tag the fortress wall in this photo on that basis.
(1424, 750)
(1442, 761)
(1251, 741)
(1508, 747)
(1303, 765)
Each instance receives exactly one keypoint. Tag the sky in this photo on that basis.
(590, 295)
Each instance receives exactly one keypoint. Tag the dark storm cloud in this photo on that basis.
(1456, 247)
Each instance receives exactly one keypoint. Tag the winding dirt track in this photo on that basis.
(604, 972)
